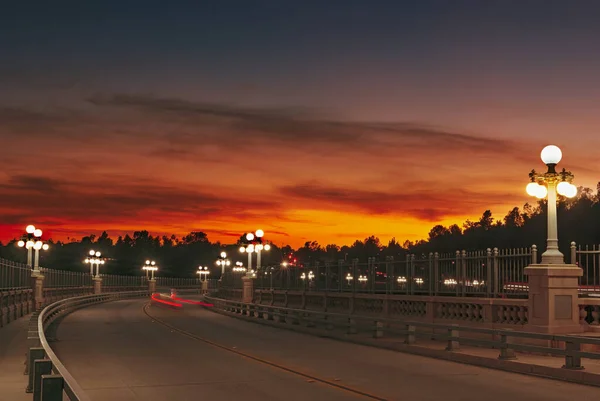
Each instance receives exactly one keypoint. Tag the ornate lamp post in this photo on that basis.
(223, 261)
(94, 259)
(148, 267)
(549, 184)
(553, 305)
(255, 244)
(32, 242)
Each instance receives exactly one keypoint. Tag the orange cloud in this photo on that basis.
(131, 162)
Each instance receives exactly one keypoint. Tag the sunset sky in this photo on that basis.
(326, 120)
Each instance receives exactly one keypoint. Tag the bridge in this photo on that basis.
(135, 339)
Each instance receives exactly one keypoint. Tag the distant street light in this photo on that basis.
(239, 267)
(548, 184)
(150, 267)
(94, 259)
(223, 261)
(31, 241)
(349, 278)
(255, 245)
(362, 279)
(203, 272)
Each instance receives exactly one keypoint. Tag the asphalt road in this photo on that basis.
(116, 352)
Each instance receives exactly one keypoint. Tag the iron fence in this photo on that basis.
(588, 258)
(490, 273)
(14, 275)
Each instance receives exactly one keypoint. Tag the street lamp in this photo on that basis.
(239, 267)
(223, 261)
(94, 259)
(32, 242)
(349, 278)
(548, 184)
(255, 245)
(203, 272)
(150, 266)
(362, 279)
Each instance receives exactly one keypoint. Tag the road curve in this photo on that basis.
(116, 352)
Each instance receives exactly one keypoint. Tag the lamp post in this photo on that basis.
(255, 241)
(94, 259)
(32, 242)
(223, 261)
(549, 184)
(150, 266)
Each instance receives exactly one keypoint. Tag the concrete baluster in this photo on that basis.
(453, 343)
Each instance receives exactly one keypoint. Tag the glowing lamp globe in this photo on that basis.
(242, 249)
(30, 229)
(249, 236)
(250, 249)
(21, 244)
(260, 233)
(551, 154)
(92, 253)
(37, 232)
(153, 263)
(223, 254)
(562, 188)
(45, 247)
(532, 188)
(37, 245)
(259, 247)
(541, 193)
(29, 244)
(571, 191)
(98, 254)
(267, 247)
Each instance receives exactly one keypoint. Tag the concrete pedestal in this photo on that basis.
(553, 298)
(152, 286)
(97, 285)
(205, 286)
(38, 289)
(247, 289)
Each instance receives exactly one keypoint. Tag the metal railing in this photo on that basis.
(43, 366)
(490, 273)
(14, 275)
(506, 341)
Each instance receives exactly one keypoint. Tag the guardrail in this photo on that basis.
(48, 377)
(505, 340)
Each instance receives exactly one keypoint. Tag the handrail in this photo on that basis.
(51, 313)
(500, 337)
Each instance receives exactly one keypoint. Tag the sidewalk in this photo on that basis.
(13, 347)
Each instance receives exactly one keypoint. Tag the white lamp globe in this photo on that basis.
(45, 247)
(92, 253)
(242, 249)
(542, 191)
(563, 188)
(37, 232)
(250, 248)
(249, 236)
(30, 229)
(98, 254)
(37, 245)
(267, 247)
(223, 254)
(571, 191)
(259, 247)
(551, 154)
(532, 188)
(260, 233)
(29, 244)
(21, 244)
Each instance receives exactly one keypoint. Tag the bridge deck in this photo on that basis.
(116, 352)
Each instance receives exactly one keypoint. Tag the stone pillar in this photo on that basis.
(97, 285)
(38, 289)
(204, 286)
(247, 289)
(152, 286)
(553, 306)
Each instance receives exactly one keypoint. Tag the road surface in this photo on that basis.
(117, 353)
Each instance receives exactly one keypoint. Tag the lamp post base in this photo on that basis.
(205, 286)
(553, 306)
(247, 289)
(97, 285)
(152, 286)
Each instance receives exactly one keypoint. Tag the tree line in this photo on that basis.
(578, 220)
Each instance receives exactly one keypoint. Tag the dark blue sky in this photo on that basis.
(242, 112)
